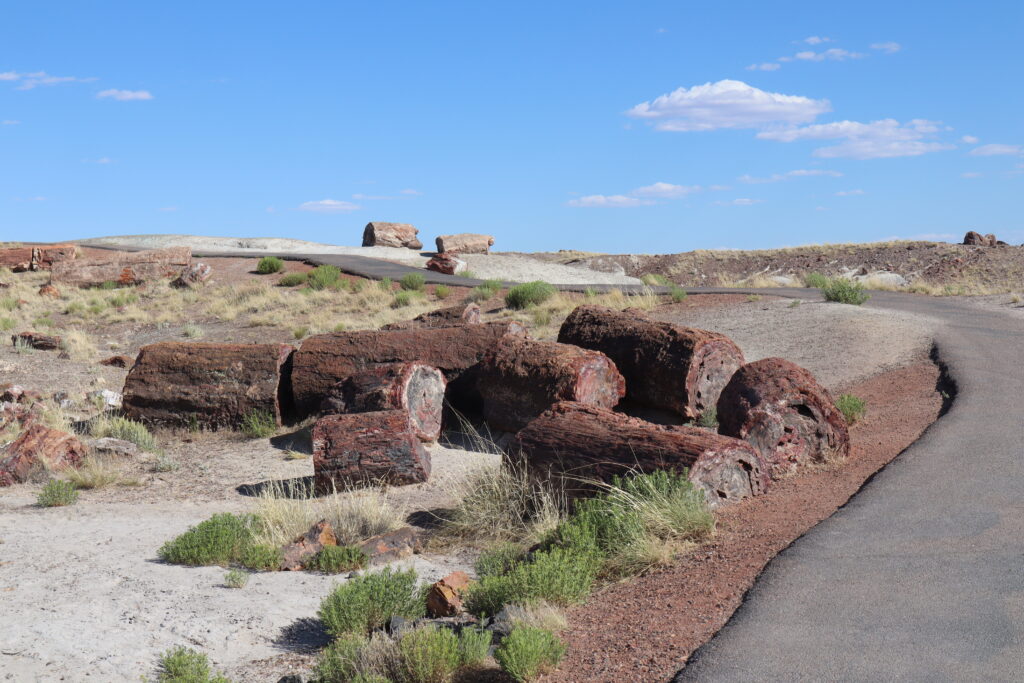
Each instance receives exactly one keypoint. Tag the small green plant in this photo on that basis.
(498, 560)
(429, 654)
(44, 321)
(474, 646)
(334, 559)
(123, 299)
(340, 662)
(562, 576)
(22, 346)
(323, 277)
(258, 424)
(442, 292)
(528, 652)
(794, 303)
(529, 294)
(541, 317)
(414, 282)
(185, 665)
(816, 280)
(590, 292)
(293, 279)
(340, 327)
(218, 540)
(356, 286)
(709, 418)
(236, 578)
(269, 264)
(260, 557)
(845, 291)
(852, 407)
(192, 331)
(7, 324)
(9, 303)
(108, 285)
(367, 602)
(469, 274)
(655, 280)
(164, 463)
(677, 293)
(300, 332)
(57, 493)
(122, 428)
(402, 299)
(751, 298)
(386, 284)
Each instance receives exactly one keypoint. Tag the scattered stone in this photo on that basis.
(122, 268)
(193, 275)
(453, 316)
(37, 340)
(301, 550)
(393, 545)
(39, 447)
(49, 291)
(111, 399)
(444, 598)
(381, 234)
(464, 243)
(361, 447)
(114, 446)
(11, 393)
(118, 361)
(978, 240)
(449, 264)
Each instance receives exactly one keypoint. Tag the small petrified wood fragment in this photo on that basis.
(460, 314)
(36, 448)
(588, 442)
(521, 378)
(122, 268)
(367, 447)
(37, 340)
(189, 384)
(296, 554)
(413, 387)
(668, 367)
(781, 410)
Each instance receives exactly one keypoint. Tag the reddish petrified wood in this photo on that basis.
(586, 441)
(413, 387)
(464, 243)
(367, 447)
(211, 385)
(191, 276)
(381, 234)
(460, 314)
(38, 447)
(50, 291)
(43, 258)
(118, 361)
(782, 411)
(520, 378)
(326, 359)
(448, 264)
(668, 367)
(16, 256)
(296, 554)
(37, 340)
(122, 268)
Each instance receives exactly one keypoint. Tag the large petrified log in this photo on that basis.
(205, 384)
(36, 448)
(521, 378)
(381, 234)
(415, 388)
(36, 258)
(781, 410)
(583, 441)
(460, 314)
(365, 447)
(323, 360)
(464, 243)
(122, 268)
(668, 367)
(16, 257)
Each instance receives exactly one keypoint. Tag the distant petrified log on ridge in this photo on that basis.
(367, 447)
(206, 384)
(381, 234)
(780, 409)
(589, 442)
(415, 388)
(122, 268)
(459, 314)
(323, 360)
(36, 448)
(36, 258)
(37, 340)
(520, 378)
(448, 264)
(464, 243)
(668, 367)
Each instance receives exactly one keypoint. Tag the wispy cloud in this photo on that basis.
(616, 201)
(741, 201)
(101, 160)
(816, 40)
(874, 140)
(834, 54)
(798, 173)
(765, 66)
(849, 193)
(328, 206)
(410, 191)
(124, 95)
(969, 139)
(888, 48)
(9, 122)
(28, 81)
(666, 190)
(641, 196)
(996, 150)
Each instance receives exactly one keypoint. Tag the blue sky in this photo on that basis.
(623, 127)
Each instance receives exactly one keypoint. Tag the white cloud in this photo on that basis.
(37, 78)
(765, 66)
(9, 122)
(970, 174)
(798, 173)
(969, 139)
(328, 206)
(9, 76)
(888, 48)
(665, 190)
(834, 54)
(816, 40)
(410, 191)
(608, 201)
(849, 193)
(125, 95)
(742, 201)
(727, 104)
(996, 150)
(875, 140)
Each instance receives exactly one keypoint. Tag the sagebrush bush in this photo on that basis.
(323, 277)
(413, 282)
(258, 424)
(269, 264)
(474, 646)
(236, 578)
(562, 576)
(529, 294)
(528, 652)
(334, 559)
(293, 279)
(185, 665)
(402, 298)
(367, 602)
(385, 283)
(678, 294)
(429, 654)
(655, 280)
(57, 493)
(816, 280)
(340, 661)
(220, 540)
(498, 559)
(442, 292)
(845, 291)
(260, 557)
(852, 407)
(118, 427)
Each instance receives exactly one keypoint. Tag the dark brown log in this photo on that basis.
(122, 268)
(36, 448)
(668, 367)
(590, 442)
(520, 378)
(202, 384)
(781, 410)
(381, 234)
(367, 447)
(415, 388)
(326, 359)
(37, 340)
(460, 314)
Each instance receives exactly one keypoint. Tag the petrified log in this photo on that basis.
(326, 359)
(11, 257)
(366, 447)
(122, 268)
(120, 361)
(591, 442)
(520, 378)
(448, 264)
(668, 367)
(781, 410)
(464, 243)
(36, 448)
(415, 388)
(43, 258)
(380, 234)
(460, 314)
(191, 276)
(49, 291)
(37, 340)
(204, 384)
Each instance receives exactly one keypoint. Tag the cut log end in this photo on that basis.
(713, 365)
(729, 475)
(364, 448)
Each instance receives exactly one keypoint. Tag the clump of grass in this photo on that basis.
(122, 428)
(185, 665)
(323, 277)
(485, 291)
(356, 286)
(300, 332)
(816, 280)
(57, 493)
(655, 280)
(442, 292)
(474, 646)
(845, 291)
(260, 557)
(562, 576)
(7, 324)
(538, 614)
(367, 602)
(499, 559)
(78, 345)
(402, 298)
(709, 418)
(794, 303)
(236, 578)
(123, 299)
(8, 303)
(852, 407)
(269, 264)
(220, 540)
(95, 473)
(258, 424)
(528, 652)
(192, 331)
(293, 279)
(469, 274)
(677, 293)
(529, 294)
(414, 282)
(22, 347)
(334, 559)
(164, 463)
(385, 284)
(429, 654)
(107, 285)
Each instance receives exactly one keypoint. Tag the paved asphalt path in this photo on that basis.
(920, 577)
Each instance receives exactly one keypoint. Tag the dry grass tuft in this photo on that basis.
(96, 472)
(537, 614)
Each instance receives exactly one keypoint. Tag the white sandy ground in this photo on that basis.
(506, 267)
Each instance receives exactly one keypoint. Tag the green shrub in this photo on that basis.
(845, 291)
(7, 324)
(56, 493)
(123, 299)
(474, 646)
(261, 557)
(355, 286)
(402, 299)
(709, 418)
(414, 282)
(334, 559)
(529, 294)
(300, 332)
(339, 662)
(219, 540)
(367, 602)
(323, 277)
(185, 665)
(293, 279)
(108, 285)
(815, 280)
(678, 294)
(258, 424)
(590, 292)
(385, 284)
(269, 264)
(429, 654)
(528, 652)
(442, 292)
(562, 576)
(851, 407)
(498, 560)
(236, 578)
(122, 428)
(655, 280)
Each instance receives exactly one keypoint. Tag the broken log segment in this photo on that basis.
(39, 448)
(187, 384)
(381, 234)
(460, 314)
(122, 268)
(668, 367)
(356, 448)
(464, 243)
(520, 378)
(583, 441)
(323, 360)
(780, 409)
(415, 388)
(37, 340)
